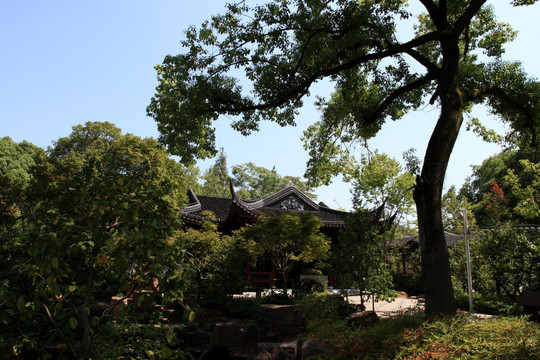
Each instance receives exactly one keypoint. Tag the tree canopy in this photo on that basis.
(509, 181)
(381, 180)
(106, 205)
(252, 182)
(287, 238)
(282, 48)
(17, 161)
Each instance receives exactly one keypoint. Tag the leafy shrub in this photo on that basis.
(238, 307)
(305, 287)
(490, 304)
(318, 307)
(312, 271)
(325, 316)
(277, 299)
(411, 284)
(458, 338)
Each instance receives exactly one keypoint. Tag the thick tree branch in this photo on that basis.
(397, 93)
(302, 87)
(443, 5)
(465, 19)
(438, 16)
(483, 91)
(430, 66)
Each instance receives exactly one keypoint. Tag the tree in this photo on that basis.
(16, 165)
(508, 259)
(359, 259)
(284, 47)
(380, 180)
(505, 188)
(452, 206)
(208, 252)
(252, 182)
(255, 182)
(109, 203)
(216, 178)
(287, 238)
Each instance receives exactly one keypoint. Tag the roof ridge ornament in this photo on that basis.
(292, 203)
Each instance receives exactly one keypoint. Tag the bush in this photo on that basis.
(306, 287)
(325, 315)
(238, 307)
(490, 304)
(277, 299)
(411, 284)
(321, 307)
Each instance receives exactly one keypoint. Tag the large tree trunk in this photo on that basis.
(427, 195)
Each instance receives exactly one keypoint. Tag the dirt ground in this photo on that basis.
(399, 305)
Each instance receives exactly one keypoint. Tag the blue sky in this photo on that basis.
(65, 62)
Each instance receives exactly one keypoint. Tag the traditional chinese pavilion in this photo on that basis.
(233, 213)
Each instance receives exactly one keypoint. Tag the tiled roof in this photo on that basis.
(220, 206)
(287, 199)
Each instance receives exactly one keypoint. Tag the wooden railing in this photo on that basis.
(261, 279)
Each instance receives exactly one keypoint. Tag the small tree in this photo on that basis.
(287, 238)
(358, 259)
(381, 179)
(216, 178)
(209, 253)
(508, 259)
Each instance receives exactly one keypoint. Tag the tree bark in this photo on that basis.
(438, 289)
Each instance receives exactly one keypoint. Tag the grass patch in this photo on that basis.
(409, 337)
(461, 338)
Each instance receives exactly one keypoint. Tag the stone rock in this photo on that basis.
(278, 323)
(197, 338)
(315, 347)
(401, 294)
(235, 337)
(276, 351)
(364, 318)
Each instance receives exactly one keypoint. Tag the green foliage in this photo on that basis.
(17, 164)
(325, 315)
(216, 178)
(255, 182)
(411, 337)
(144, 342)
(380, 180)
(510, 257)
(287, 238)
(490, 304)
(451, 338)
(517, 176)
(504, 261)
(107, 205)
(308, 286)
(211, 255)
(358, 258)
(525, 190)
